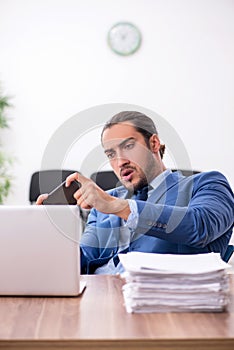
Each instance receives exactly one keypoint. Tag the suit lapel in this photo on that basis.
(170, 181)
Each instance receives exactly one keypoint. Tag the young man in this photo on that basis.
(155, 210)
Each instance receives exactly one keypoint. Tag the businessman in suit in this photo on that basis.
(154, 210)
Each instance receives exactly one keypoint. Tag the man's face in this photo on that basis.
(132, 161)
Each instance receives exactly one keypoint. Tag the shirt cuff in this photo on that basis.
(133, 216)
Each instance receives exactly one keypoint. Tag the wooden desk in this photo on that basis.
(98, 320)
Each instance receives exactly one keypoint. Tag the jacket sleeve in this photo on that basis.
(97, 244)
(89, 243)
(208, 214)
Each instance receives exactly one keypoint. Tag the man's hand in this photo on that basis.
(41, 198)
(91, 196)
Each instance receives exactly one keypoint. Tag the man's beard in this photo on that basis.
(145, 177)
(142, 182)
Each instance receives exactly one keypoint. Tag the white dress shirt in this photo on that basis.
(128, 227)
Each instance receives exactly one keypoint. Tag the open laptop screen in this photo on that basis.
(39, 250)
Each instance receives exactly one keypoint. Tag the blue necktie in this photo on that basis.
(142, 194)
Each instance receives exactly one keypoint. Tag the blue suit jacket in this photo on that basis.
(184, 215)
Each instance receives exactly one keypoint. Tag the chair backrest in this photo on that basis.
(187, 172)
(229, 252)
(105, 179)
(44, 181)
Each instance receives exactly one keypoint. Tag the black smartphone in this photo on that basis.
(63, 195)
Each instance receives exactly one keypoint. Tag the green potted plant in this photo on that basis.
(5, 160)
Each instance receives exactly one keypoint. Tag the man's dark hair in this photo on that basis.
(143, 124)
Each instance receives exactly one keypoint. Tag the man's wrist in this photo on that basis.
(120, 207)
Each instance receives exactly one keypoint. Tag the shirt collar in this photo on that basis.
(160, 178)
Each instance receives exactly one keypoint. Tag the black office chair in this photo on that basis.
(44, 181)
(105, 179)
(229, 252)
(187, 172)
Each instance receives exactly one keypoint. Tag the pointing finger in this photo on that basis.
(71, 178)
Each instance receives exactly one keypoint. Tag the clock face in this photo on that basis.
(124, 38)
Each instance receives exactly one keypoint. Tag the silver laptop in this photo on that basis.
(39, 250)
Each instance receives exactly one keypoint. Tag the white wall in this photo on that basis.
(55, 63)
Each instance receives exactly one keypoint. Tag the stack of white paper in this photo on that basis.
(175, 283)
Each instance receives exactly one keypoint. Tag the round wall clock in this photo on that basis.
(124, 38)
